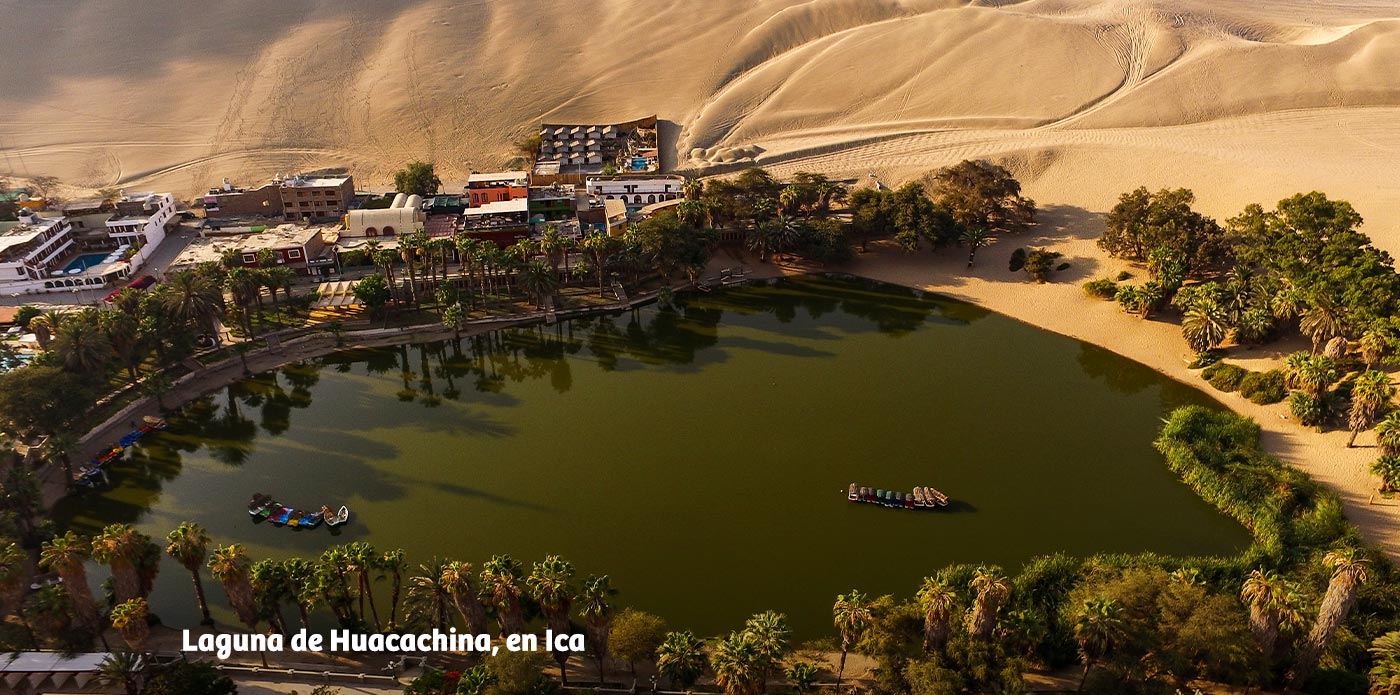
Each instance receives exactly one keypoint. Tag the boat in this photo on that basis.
(311, 520)
(155, 422)
(282, 516)
(341, 516)
(921, 497)
(259, 504)
(295, 517)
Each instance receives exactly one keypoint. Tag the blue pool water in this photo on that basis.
(84, 261)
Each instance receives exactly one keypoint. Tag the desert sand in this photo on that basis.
(1241, 101)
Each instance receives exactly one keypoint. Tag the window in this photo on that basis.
(651, 198)
(293, 253)
(371, 231)
(250, 258)
(388, 231)
(637, 200)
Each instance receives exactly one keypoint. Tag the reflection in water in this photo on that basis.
(642, 441)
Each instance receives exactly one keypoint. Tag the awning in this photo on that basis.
(336, 295)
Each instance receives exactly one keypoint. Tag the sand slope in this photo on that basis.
(152, 94)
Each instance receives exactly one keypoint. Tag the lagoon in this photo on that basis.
(698, 455)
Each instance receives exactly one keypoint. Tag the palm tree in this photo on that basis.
(392, 561)
(975, 238)
(500, 579)
(1204, 324)
(271, 586)
(129, 617)
(1097, 629)
(66, 555)
(49, 610)
(538, 281)
(194, 300)
(428, 593)
(1374, 347)
(1271, 600)
(468, 252)
(122, 670)
(1387, 468)
(680, 658)
(992, 590)
(1315, 374)
(554, 246)
(189, 545)
(230, 565)
(1254, 326)
(550, 585)
(362, 560)
(57, 447)
(1321, 323)
(1370, 396)
(597, 614)
(599, 246)
(770, 633)
(306, 586)
(456, 577)
(43, 327)
(1385, 674)
(81, 346)
(1350, 569)
(852, 617)
(738, 664)
(119, 546)
(938, 602)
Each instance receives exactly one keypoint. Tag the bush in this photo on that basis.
(1018, 260)
(1206, 359)
(1224, 377)
(1309, 410)
(1264, 388)
(1103, 288)
(1123, 275)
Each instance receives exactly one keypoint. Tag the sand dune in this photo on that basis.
(152, 94)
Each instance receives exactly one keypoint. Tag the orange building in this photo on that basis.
(498, 187)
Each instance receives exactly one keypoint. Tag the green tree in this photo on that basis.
(1097, 628)
(122, 670)
(551, 586)
(41, 399)
(982, 195)
(500, 579)
(597, 613)
(456, 577)
(852, 616)
(681, 659)
(373, 292)
(803, 676)
(129, 617)
(769, 631)
(66, 555)
(1272, 601)
(1385, 655)
(1204, 325)
(231, 567)
(1370, 396)
(738, 663)
(1039, 263)
(189, 678)
(1143, 223)
(992, 590)
(636, 635)
(189, 545)
(120, 546)
(1350, 569)
(938, 602)
(417, 177)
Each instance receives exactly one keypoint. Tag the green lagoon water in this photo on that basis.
(700, 456)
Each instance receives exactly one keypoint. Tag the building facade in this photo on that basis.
(497, 187)
(141, 222)
(636, 191)
(316, 198)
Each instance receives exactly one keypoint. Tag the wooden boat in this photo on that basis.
(919, 497)
(155, 422)
(341, 516)
(852, 494)
(939, 498)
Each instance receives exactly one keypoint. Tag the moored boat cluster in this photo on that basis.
(922, 497)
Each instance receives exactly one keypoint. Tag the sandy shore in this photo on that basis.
(1061, 306)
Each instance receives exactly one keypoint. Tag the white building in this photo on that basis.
(140, 223)
(36, 253)
(636, 191)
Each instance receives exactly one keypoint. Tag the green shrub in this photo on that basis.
(1103, 288)
(1206, 359)
(1264, 388)
(1309, 410)
(1018, 260)
(1224, 377)
(1123, 275)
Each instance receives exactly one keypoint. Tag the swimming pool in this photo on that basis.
(84, 262)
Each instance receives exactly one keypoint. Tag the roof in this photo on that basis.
(50, 662)
(8, 314)
(279, 237)
(335, 295)
(440, 226)
(314, 182)
(501, 206)
(497, 176)
(25, 232)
